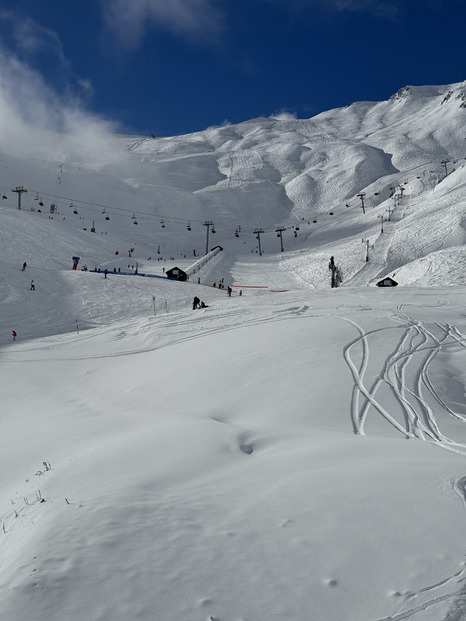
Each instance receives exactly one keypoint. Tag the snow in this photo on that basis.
(294, 452)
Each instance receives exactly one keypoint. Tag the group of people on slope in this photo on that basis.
(198, 304)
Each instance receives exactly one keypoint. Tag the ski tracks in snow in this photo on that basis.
(405, 372)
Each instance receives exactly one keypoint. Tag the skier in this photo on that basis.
(33, 286)
(229, 291)
(14, 335)
(24, 266)
(196, 303)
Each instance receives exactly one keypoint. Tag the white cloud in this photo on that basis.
(32, 113)
(31, 110)
(29, 38)
(36, 45)
(284, 115)
(130, 19)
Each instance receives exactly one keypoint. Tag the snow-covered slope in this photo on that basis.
(294, 452)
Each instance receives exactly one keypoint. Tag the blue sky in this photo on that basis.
(170, 67)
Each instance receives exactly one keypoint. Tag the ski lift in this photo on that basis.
(93, 227)
(189, 226)
(296, 228)
(330, 213)
(213, 230)
(236, 233)
(37, 197)
(162, 223)
(314, 220)
(107, 217)
(133, 217)
(75, 211)
(41, 203)
(4, 196)
(135, 221)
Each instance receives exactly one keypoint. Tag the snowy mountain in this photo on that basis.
(247, 460)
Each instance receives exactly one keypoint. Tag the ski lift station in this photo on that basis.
(175, 273)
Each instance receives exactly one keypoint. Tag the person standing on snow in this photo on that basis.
(24, 266)
(33, 286)
(14, 335)
(229, 291)
(196, 303)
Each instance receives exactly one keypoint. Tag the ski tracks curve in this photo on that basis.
(405, 372)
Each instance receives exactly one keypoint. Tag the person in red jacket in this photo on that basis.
(14, 335)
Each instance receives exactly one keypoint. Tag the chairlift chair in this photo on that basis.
(189, 226)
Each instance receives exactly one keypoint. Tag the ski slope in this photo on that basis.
(294, 452)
